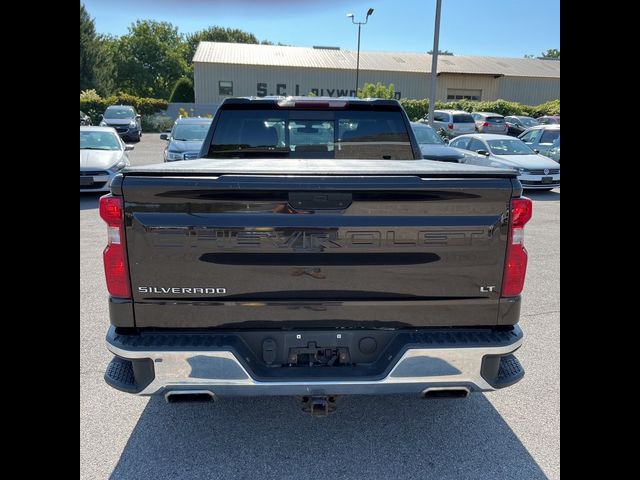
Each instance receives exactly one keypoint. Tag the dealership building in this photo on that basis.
(234, 69)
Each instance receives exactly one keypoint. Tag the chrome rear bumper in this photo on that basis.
(222, 373)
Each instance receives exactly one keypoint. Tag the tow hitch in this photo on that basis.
(318, 406)
(312, 355)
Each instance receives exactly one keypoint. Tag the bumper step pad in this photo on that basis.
(129, 375)
(120, 375)
(510, 371)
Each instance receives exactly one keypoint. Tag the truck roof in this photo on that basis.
(309, 166)
(308, 101)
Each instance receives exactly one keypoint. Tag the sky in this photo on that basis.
(499, 28)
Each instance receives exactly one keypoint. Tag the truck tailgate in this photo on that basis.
(259, 251)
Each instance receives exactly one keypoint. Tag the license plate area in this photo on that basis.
(86, 181)
(547, 179)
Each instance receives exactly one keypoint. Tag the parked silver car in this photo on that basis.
(541, 138)
(554, 152)
(453, 122)
(502, 151)
(487, 122)
(102, 156)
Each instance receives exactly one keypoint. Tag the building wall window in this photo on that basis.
(463, 94)
(225, 88)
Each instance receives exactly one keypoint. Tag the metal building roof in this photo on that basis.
(272, 55)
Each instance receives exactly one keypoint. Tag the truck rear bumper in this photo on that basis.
(164, 363)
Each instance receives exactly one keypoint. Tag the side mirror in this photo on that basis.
(482, 152)
(164, 136)
(128, 147)
(138, 117)
(535, 150)
(101, 116)
(446, 140)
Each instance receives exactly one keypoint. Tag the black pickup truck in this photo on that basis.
(312, 252)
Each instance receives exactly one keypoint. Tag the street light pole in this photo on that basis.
(358, 60)
(434, 63)
(350, 15)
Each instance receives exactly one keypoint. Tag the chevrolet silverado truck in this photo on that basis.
(312, 252)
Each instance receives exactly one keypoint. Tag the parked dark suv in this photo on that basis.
(518, 124)
(125, 120)
(185, 138)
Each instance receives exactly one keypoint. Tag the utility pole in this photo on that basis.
(434, 63)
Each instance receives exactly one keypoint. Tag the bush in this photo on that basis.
(94, 105)
(417, 109)
(156, 123)
(377, 91)
(89, 96)
(183, 92)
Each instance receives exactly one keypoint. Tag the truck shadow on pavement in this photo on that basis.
(367, 437)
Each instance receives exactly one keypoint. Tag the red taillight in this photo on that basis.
(450, 126)
(485, 124)
(515, 265)
(115, 255)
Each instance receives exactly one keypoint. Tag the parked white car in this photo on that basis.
(502, 151)
(102, 155)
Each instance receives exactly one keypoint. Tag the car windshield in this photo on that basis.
(191, 132)
(528, 121)
(118, 113)
(99, 141)
(509, 147)
(426, 136)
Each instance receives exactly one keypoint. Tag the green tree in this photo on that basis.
(377, 90)
(551, 53)
(216, 34)
(183, 91)
(441, 52)
(149, 59)
(96, 65)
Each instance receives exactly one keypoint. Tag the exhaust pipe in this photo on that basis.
(446, 392)
(191, 396)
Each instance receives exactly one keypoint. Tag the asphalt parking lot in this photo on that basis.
(513, 433)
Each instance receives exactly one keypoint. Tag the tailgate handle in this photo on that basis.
(320, 200)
